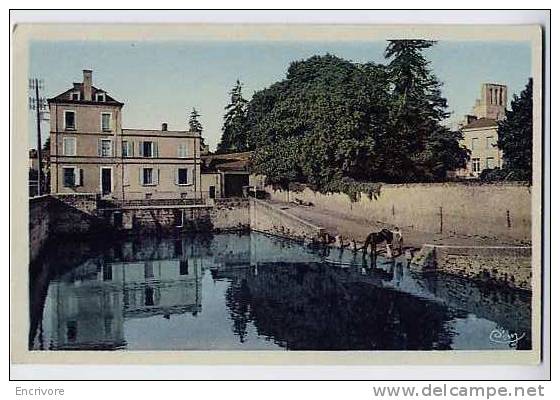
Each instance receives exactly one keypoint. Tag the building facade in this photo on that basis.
(92, 153)
(480, 131)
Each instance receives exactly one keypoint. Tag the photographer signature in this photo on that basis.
(503, 336)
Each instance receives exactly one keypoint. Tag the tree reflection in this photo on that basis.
(313, 307)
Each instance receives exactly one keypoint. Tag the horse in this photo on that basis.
(374, 238)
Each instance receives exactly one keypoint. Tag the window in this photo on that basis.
(72, 176)
(149, 176)
(69, 146)
(490, 162)
(69, 120)
(100, 96)
(105, 122)
(127, 149)
(474, 143)
(182, 176)
(75, 96)
(476, 164)
(148, 149)
(182, 150)
(489, 142)
(105, 148)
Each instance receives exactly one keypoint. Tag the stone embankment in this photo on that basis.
(503, 259)
(474, 230)
(506, 265)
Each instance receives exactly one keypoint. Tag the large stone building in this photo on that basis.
(92, 153)
(480, 131)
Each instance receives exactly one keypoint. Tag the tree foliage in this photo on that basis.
(322, 123)
(417, 115)
(515, 136)
(234, 130)
(332, 123)
(194, 123)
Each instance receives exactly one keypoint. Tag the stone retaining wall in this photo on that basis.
(498, 210)
(271, 219)
(39, 224)
(509, 266)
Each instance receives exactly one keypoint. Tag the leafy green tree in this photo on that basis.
(417, 114)
(332, 123)
(515, 136)
(320, 124)
(234, 130)
(194, 123)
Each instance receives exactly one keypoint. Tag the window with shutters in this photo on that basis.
(69, 146)
(105, 148)
(72, 176)
(105, 122)
(474, 143)
(149, 176)
(148, 149)
(182, 150)
(490, 142)
(182, 176)
(69, 120)
(127, 149)
(476, 164)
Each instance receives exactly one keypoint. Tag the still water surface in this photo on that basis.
(255, 292)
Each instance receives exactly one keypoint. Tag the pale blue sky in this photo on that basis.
(162, 81)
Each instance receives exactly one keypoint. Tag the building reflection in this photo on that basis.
(296, 297)
(86, 308)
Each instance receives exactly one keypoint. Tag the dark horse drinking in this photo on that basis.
(374, 238)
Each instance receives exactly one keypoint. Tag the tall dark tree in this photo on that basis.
(234, 130)
(194, 123)
(418, 110)
(515, 135)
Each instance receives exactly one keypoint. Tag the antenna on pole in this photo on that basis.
(39, 105)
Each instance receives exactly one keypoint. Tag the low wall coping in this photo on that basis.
(39, 198)
(443, 246)
(175, 206)
(73, 194)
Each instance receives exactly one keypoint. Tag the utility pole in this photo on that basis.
(38, 104)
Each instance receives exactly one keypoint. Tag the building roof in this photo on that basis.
(244, 155)
(65, 97)
(238, 165)
(156, 132)
(227, 162)
(481, 123)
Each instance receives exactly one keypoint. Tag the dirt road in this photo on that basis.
(353, 228)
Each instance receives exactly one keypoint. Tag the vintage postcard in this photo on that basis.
(276, 194)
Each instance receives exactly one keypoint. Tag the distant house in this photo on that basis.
(480, 131)
(228, 175)
(92, 153)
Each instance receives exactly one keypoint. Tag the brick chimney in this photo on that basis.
(164, 126)
(87, 84)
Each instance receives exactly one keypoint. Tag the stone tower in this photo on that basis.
(492, 102)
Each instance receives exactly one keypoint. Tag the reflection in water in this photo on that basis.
(252, 291)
